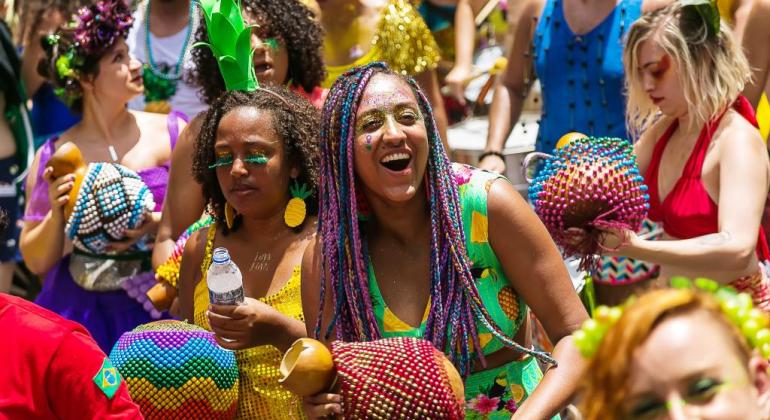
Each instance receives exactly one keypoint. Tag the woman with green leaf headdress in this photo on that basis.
(255, 162)
(698, 148)
(286, 43)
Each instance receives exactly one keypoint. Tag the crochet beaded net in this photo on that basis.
(111, 200)
(394, 378)
(177, 370)
(169, 270)
(590, 184)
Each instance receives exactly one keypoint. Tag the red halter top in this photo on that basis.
(688, 211)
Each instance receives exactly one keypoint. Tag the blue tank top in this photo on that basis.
(581, 76)
(49, 115)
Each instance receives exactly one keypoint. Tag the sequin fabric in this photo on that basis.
(261, 396)
(403, 40)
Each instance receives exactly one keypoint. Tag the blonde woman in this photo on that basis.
(699, 150)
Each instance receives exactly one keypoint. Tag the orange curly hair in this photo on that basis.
(606, 380)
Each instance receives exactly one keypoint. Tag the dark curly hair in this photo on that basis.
(290, 21)
(295, 120)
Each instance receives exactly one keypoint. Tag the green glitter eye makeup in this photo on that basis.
(223, 160)
(227, 160)
(256, 158)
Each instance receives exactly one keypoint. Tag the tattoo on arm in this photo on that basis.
(715, 239)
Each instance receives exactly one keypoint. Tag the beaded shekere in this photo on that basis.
(588, 185)
(176, 370)
(111, 200)
(395, 378)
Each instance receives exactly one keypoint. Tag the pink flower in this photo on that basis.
(483, 404)
(462, 174)
(511, 406)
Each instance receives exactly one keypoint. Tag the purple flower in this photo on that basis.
(511, 406)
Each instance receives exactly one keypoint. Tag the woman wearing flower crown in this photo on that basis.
(256, 163)
(700, 151)
(287, 46)
(410, 245)
(89, 64)
(677, 354)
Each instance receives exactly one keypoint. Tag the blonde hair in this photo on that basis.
(712, 68)
(606, 384)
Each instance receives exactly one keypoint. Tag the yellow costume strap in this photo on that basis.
(404, 40)
(201, 294)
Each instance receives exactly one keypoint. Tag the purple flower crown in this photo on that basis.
(98, 27)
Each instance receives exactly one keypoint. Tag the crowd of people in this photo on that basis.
(315, 150)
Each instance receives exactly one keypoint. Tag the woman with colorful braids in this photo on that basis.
(700, 152)
(411, 245)
(677, 353)
(89, 64)
(255, 160)
(287, 51)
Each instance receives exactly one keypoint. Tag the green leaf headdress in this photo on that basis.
(706, 10)
(230, 42)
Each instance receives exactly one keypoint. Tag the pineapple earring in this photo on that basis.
(296, 210)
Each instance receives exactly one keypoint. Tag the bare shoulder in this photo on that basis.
(735, 132)
(195, 245)
(531, 10)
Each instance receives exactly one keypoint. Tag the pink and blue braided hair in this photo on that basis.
(455, 301)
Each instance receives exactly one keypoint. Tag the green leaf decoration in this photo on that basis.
(300, 191)
(706, 10)
(230, 42)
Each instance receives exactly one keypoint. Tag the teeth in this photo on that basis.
(395, 156)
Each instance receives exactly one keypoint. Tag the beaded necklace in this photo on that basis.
(160, 81)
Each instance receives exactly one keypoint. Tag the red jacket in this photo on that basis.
(51, 368)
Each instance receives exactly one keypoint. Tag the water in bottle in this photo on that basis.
(224, 279)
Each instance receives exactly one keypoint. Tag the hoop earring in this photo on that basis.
(230, 215)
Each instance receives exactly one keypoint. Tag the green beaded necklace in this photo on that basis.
(159, 81)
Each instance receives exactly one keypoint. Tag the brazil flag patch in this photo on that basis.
(107, 378)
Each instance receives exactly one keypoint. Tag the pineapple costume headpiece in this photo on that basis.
(230, 42)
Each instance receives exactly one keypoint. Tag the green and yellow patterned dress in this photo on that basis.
(495, 393)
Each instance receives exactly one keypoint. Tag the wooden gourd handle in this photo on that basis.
(68, 160)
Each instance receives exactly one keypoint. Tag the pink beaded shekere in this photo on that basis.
(400, 377)
(587, 186)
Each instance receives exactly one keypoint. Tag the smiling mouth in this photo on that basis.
(396, 162)
(262, 68)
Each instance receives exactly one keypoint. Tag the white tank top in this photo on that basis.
(165, 51)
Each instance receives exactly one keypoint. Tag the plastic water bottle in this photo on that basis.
(224, 279)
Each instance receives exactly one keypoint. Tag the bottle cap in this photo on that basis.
(220, 256)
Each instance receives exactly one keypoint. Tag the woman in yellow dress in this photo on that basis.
(254, 147)
(364, 31)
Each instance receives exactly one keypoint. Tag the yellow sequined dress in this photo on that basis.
(260, 394)
(403, 40)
